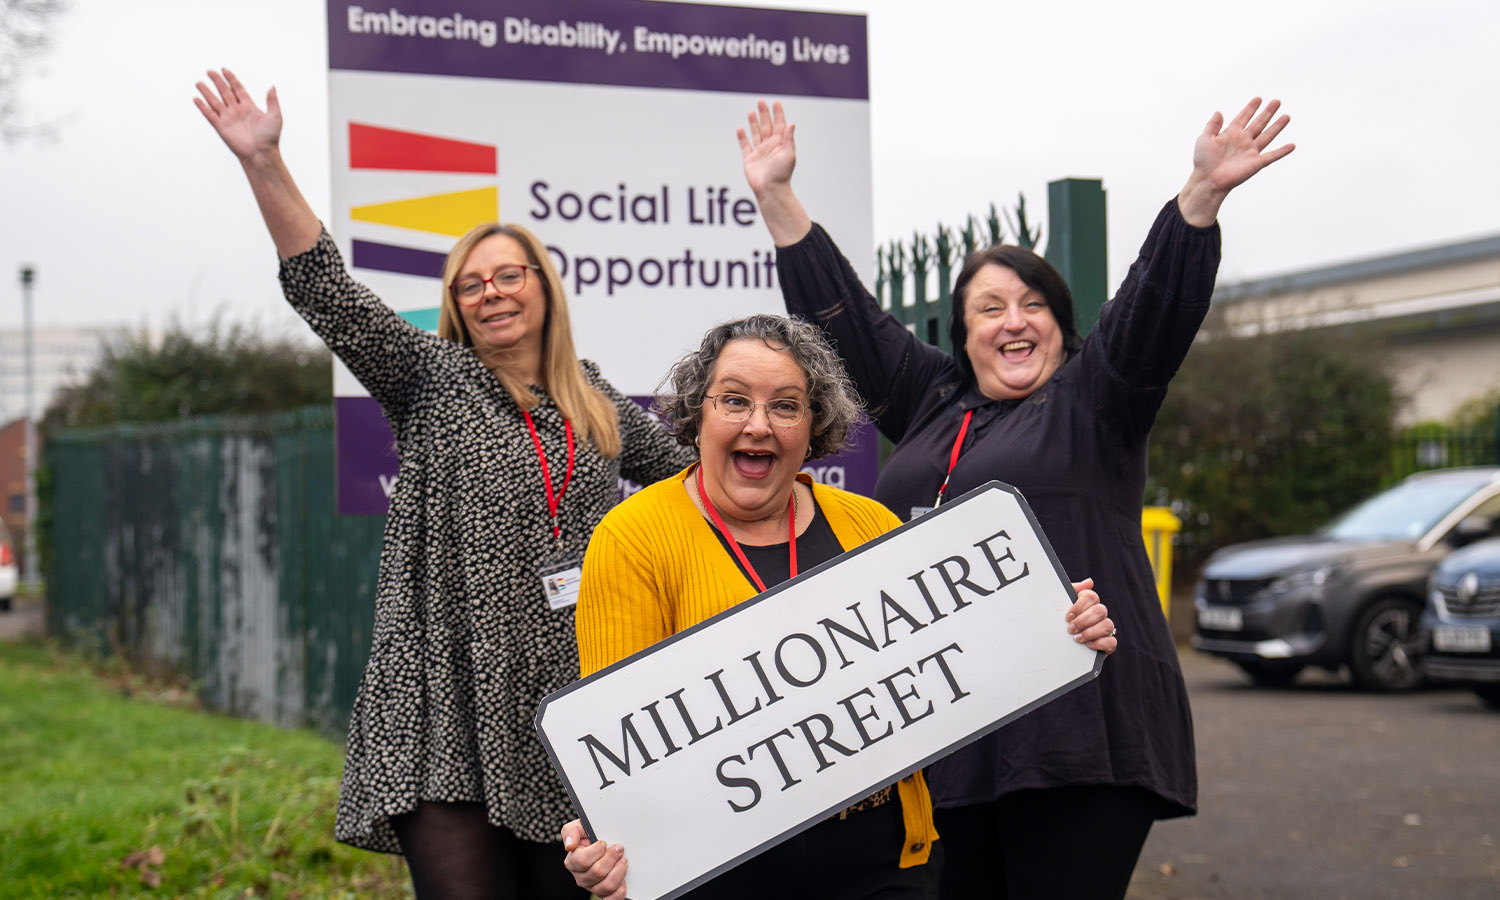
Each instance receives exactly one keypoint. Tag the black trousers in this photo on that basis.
(1079, 842)
(855, 858)
(454, 853)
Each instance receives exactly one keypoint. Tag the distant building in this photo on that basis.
(60, 356)
(1438, 308)
(13, 480)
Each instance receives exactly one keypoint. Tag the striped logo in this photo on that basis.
(452, 213)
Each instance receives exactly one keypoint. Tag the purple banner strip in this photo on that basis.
(394, 258)
(367, 461)
(632, 43)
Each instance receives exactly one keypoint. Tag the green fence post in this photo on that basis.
(1077, 247)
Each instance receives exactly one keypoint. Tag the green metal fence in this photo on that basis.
(1076, 249)
(1440, 447)
(210, 547)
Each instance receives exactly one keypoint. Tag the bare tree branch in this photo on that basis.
(24, 36)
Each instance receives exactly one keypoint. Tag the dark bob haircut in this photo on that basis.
(1036, 273)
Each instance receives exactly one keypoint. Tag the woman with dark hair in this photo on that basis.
(758, 398)
(444, 765)
(1025, 400)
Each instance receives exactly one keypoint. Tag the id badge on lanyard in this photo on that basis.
(560, 574)
(560, 571)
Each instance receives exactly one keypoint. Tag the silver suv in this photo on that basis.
(1349, 594)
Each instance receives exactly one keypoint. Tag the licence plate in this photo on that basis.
(1223, 618)
(1461, 638)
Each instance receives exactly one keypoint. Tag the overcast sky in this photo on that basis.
(137, 213)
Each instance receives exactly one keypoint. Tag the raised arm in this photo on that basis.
(254, 136)
(1225, 158)
(769, 149)
(1143, 335)
(892, 370)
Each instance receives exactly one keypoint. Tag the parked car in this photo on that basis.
(1461, 623)
(9, 575)
(1350, 594)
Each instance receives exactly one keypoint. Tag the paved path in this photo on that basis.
(23, 619)
(1321, 792)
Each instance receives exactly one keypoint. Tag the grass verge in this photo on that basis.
(116, 787)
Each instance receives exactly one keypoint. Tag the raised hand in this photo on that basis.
(254, 137)
(769, 148)
(1226, 157)
(243, 126)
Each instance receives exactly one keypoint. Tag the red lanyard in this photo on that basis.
(791, 532)
(553, 499)
(953, 459)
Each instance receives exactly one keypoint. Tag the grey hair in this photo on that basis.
(835, 406)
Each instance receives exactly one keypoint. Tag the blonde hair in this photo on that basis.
(593, 414)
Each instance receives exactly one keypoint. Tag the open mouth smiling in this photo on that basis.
(753, 463)
(1017, 349)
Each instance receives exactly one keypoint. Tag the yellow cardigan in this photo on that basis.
(655, 567)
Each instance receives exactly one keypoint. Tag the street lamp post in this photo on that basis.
(28, 275)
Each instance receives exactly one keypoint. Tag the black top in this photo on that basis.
(1076, 449)
(773, 562)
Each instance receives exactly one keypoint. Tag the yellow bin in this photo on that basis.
(1158, 524)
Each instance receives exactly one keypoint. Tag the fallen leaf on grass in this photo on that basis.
(147, 862)
(151, 856)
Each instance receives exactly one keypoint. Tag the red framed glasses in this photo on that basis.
(507, 280)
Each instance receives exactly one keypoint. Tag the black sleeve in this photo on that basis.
(384, 351)
(1145, 332)
(891, 368)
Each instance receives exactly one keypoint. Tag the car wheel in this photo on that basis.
(1489, 694)
(1270, 674)
(1383, 650)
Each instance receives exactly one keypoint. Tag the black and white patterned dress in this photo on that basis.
(464, 644)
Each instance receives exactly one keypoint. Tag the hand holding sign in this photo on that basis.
(597, 867)
(600, 868)
(885, 660)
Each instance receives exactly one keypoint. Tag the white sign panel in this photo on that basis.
(758, 723)
(606, 127)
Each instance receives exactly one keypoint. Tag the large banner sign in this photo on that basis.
(607, 128)
(754, 725)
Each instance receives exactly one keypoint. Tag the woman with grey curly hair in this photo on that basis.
(833, 403)
(758, 398)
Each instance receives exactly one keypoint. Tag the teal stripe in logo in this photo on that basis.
(425, 319)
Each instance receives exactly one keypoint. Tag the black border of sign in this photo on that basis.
(740, 607)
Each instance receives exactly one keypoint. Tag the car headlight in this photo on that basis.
(1309, 578)
(1435, 598)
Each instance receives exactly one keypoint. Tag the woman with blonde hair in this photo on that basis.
(511, 451)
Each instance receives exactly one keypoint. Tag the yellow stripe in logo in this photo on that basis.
(451, 214)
